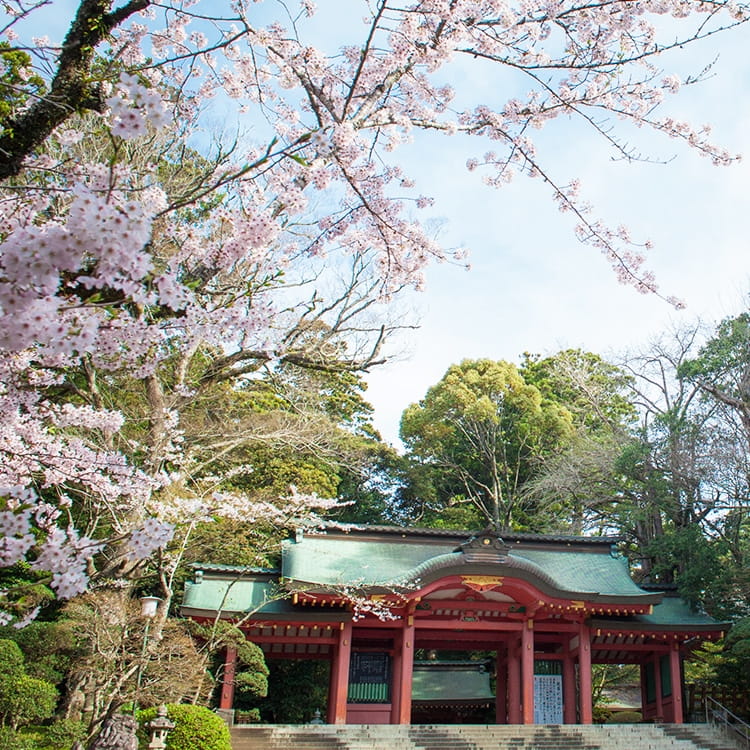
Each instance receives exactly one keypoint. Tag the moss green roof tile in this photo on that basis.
(596, 572)
(246, 592)
(327, 560)
(335, 560)
(238, 595)
(669, 614)
(386, 558)
(673, 610)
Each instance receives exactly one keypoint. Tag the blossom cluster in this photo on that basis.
(148, 537)
(133, 107)
(62, 552)
(362, 606)
(115, 263)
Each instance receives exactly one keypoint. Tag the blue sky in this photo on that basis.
(533, 288)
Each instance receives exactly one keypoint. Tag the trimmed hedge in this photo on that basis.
(63, 733)
(196, 728)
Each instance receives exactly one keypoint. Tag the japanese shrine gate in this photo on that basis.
(365, 599)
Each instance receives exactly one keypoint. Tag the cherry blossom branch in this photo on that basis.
(69, 90)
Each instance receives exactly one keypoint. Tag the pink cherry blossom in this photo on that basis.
(105, 269)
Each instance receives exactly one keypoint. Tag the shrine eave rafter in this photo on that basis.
(524, 595)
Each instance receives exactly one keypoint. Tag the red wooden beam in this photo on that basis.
(339, 687)
(659, 646)
(584, 675)
(527, 672)
(461, 625)
(273, 656)
(327, 640)
(555, 626)
(226, 699)
(675, 674)
(403, 674)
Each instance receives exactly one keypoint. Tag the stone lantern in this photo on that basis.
(159, 728)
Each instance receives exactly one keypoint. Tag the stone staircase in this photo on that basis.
(476, 737)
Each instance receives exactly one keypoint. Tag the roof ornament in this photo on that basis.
(488, 546)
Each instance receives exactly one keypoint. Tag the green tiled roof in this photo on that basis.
(332, 560)
(236, 595)
(450, 682)
(374, 559)
(672, 612)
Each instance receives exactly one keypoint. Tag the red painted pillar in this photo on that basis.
(514, 682)
(675, 674)
(403, 669)
(657, 683)
(339, 686)
(501, 687)
(585, 708)
(226, 699)
(527, 672)
(396, 680)
(569, 688)
(644, 688)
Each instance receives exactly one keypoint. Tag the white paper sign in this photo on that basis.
(548, 699)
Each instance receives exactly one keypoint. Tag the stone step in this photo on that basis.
(475, 737)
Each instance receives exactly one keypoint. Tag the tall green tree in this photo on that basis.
(668, 479)
(289, 427)
(479, 436)
(722, 367)
(721, 370)
(597, 393)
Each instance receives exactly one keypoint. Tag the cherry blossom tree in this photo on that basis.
(212, 256)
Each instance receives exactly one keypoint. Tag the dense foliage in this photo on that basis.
(23, 699)
(479, 436)
(196, 728)
(184, 313)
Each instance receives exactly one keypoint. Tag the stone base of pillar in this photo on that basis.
(226, 715)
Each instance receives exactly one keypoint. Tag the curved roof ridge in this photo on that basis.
(459, 559)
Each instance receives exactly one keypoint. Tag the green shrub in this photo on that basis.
(251, 683)
(23, 699)
(11, 740)
(27, 700)
(48, 648)
(11, 660)
(63, 733)
(247, 717)
(196, 728)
